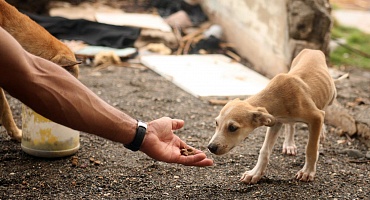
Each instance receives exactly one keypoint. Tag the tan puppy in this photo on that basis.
(36, 40)
(301, 95)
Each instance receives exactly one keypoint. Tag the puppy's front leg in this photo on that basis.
(289, 147)
(254, 175)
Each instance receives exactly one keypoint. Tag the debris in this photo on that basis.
(97, 162)
(211, 45)
(92, 51)
(192, 8)
(108, 35)
(74, 161)
(358, 161)
(215, 31)
(83, 165)
(158, 48)
(358, 101)
(233, 55)
(190, 38)
(354, 153)
(147, 21)
(179, 19)
(341, 141)
(148, 36)
(92, 161)
(340, 117)
(106, 57)
(84, 10)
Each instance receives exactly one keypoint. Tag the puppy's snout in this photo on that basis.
(212, 148)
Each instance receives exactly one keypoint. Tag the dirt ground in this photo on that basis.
(123, 174)
(343, 171)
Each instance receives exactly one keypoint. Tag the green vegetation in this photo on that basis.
(355, 39)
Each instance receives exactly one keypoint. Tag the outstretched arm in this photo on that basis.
(54, 93)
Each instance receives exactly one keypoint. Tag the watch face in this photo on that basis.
(142, 124)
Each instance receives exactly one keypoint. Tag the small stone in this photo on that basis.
(74, 161)
(368, 155)
(354, 153)
(83, 165)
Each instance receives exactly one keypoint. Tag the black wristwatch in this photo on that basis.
(139, 136)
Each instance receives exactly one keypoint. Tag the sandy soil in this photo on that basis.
(343, 172)
(123, 174)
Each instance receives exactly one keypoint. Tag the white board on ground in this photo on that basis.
(207, 75)
(93, 50)
(148, 21)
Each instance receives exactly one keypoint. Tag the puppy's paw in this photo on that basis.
(252, 176)
(16, 135)
(305, 175)
(289, 149)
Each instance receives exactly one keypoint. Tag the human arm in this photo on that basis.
(54, 93)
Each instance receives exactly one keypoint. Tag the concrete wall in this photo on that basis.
(262, 30)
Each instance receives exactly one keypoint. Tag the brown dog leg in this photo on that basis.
(254, 175)
(6, 119)
(289, 146)
(307, 173)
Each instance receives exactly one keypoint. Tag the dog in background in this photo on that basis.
(37, 41)
(301, 95)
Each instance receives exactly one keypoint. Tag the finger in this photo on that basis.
(177, 124)
(199, 159)
(203, 163)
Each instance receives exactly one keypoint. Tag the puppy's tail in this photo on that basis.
(344, 76)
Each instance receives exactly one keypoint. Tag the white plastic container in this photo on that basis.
(44, 138)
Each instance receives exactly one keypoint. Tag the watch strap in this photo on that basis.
(139, 137)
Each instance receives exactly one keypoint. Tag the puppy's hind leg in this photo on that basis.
(6, 119)
(289, 146)
(323, 134)
(254, 175)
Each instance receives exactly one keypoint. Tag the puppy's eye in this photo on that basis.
(232, 128)
(216, 123)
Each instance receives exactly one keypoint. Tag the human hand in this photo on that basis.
(162, 144)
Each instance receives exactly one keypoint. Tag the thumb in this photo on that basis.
(177, 124)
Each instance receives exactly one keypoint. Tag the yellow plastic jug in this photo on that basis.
(44, 138)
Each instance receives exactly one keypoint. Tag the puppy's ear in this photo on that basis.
(263, 119)
(64, 62)
(68, 64)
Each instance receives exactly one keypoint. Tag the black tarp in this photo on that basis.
(93, 33)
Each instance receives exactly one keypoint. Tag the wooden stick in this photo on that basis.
(233, 55)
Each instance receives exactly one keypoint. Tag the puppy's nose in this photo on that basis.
(212, 148)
